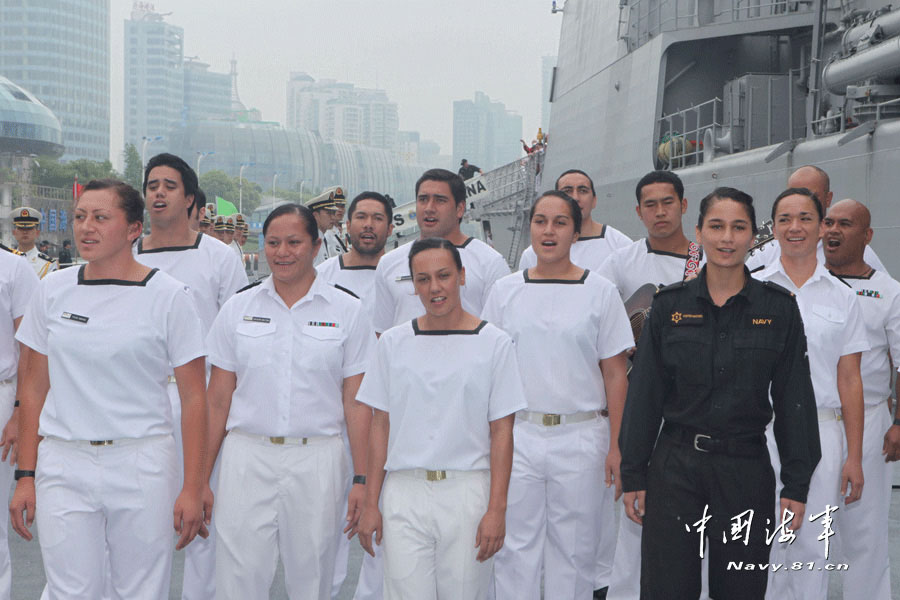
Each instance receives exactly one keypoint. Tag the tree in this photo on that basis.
(218, 183)
(134, 170)
(50, 172)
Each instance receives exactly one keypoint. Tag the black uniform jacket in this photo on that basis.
(709, 368)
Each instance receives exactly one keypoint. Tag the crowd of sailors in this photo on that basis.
(473, 428)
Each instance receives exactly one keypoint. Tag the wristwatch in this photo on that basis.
(19, 474)
(361, 479)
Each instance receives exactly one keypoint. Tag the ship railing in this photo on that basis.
(648, 18)
(834, 122)
(681, 134)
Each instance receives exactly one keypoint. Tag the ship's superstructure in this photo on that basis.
(730, 92)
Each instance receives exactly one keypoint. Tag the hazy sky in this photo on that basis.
(424, 53)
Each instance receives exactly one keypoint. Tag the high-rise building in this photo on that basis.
(548, 63)
(207, 95)
(59, 50)
(342, 112)
(154, 78)
(485, 133)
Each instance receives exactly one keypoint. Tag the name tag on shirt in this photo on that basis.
(257, 319)
(762, 321)
(74, 317)
(681, 318)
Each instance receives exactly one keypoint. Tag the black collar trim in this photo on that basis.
(356, 268)
(565, 281)
(869, 276)
(465, 243)
(142, 283)
(140, 248)
(594, 237)
(664, 253)
(417, 331)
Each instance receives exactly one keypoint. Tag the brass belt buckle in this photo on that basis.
(550, 420)
(101, 442)
(697, 440)
(277, 440)
(435, 475)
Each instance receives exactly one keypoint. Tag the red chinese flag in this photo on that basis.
(76, 189)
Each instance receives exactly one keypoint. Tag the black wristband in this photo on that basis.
(16, 404)
(361, 479)
(19, 474)
(896, 421)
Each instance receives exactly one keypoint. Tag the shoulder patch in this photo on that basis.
(774, 286)
(45, 257)
(247, 287)
(11, 250)
(670, 288)
(346, 291)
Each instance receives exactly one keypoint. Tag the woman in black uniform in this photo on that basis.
(703, 368)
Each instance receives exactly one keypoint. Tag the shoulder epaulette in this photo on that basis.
(670, 287)
(343, 289)
(247, 287)
(12, 250)
(841, 279)
(45, 257)
(774, 286)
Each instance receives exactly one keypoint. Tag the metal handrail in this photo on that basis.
(680, 156)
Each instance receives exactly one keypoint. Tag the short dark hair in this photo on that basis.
(660, 177)
(574, 209)
(309, 221)
(130, 199)
(67, 243)
(800, 192)
(729, 193)
(575, 172)
(389, 211)
(188, 176)
(457, 186)
(434, 243)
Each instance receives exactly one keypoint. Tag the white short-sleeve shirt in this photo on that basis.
(18, 284)
(110, 345)
(878, 296)
(833, 323)
(208, 267)
(358, 280)
(587, 252)
(637, 264)
(396, 301)
(562, 330)
(442, 389)
(767, 254)
(290, 362)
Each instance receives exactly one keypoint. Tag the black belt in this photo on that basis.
(742, 445)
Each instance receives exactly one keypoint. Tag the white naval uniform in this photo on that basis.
(562, 330)
(237, 250)
(587, 252)
(283, 495)
(323, 254)
(441, 390)
(861, 529)
(110, 345)
(336, 243)
(208, 267)
(628, 269)
(834, 327)
(395, 303)
(40, 262)
(767, 254)
(18, 283)
(359, 281)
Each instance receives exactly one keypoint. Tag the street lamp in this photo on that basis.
(201, 156)
(241, 186)
(274, 179)
(147, 141)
